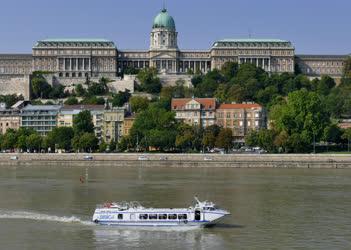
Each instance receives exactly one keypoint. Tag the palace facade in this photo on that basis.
(71, 61)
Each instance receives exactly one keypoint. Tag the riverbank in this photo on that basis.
(181, 160)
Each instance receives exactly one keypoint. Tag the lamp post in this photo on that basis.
(314, 143)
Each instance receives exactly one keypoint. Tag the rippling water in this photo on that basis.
(49, 208)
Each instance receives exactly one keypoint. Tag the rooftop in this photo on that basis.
(253, 40)
(42, 107)
(206, 103)
(75, 42)
(82, 107)
(80, 40)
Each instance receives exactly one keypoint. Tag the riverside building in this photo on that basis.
(195, 111)
(71, 61)
(241, 118)
(41, 118)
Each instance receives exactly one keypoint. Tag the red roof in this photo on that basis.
(206, 103)
(239, 106)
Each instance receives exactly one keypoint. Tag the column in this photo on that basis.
(64, 64)
(77, 61)
(269, 64)
(89, 61)
(257, 62)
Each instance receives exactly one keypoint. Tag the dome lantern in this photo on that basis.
(164, 20)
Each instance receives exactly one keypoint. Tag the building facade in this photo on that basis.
(9, 119)
(128, 124)
(241, 118)
(41, 118)
(66, 116)
(71, 61)
(195, 111)
(112, 129)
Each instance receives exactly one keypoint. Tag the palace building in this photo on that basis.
(71, 61)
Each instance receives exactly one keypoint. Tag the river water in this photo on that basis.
(50, 208)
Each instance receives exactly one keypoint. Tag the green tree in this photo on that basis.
(61, 137)
(93, 100)
(347, 136)
(97, 89)
(332, 133)
(71, 101)
(325, 85)
(40, 87)
(304, 115)
(347, 68)
(9, 100)
(112, 146)
(118, 100)
(225, 139)
(9, 139)
(185, 138)
(210, 136)
(229, 70)
(57, 91)
(86, 142)
(102, 147)
(34, 142)
(83, 123)
(150, 83)
(154, 121)
(79, 90)
(251, 139)
(139, 103)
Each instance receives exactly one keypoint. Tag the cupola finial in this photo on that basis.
(164, 6)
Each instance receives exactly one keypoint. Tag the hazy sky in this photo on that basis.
(314, 26)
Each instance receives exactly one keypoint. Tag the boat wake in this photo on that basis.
(42, 217)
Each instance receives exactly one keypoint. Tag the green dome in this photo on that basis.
(164, 20)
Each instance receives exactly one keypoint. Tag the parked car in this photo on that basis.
(143, 158)
(14, 157)
(207, 158)
(88, 157)
(163, 158)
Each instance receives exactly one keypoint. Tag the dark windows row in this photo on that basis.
(80, 74)
(163, 216)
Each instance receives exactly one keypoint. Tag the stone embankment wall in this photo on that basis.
(181, 160)
(18, 85)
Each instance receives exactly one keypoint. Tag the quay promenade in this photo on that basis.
(180, 160)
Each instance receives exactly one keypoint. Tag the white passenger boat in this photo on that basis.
(133, 214)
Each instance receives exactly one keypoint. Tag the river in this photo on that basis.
(51, 207)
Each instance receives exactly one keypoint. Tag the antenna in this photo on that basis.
(249, 30)
(164, 5)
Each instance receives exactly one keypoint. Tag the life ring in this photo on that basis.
(96, 221)
(185, 221)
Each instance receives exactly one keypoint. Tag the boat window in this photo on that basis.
(172, 216)
(120, 216)
(209, 208)
(143, 216)
(152, 216)
(182, 216)
(162, 216)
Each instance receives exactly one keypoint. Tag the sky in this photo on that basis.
(313, 26)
